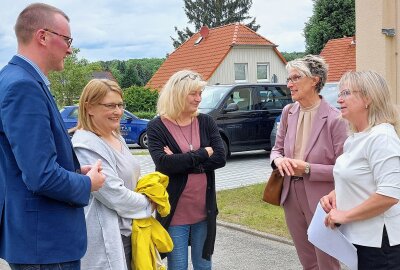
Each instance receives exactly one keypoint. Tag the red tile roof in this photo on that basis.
(340, 54)
(206, 56)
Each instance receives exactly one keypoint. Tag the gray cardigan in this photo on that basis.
(105, 249)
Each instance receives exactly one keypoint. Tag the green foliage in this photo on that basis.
(145, 115)
(140, 99)
(289, 56)
(134, 71)
(67, 85)
(213, 14)
(330, 19)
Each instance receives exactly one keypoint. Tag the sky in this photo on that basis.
(126, 29)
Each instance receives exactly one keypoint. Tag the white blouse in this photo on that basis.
(370, 164)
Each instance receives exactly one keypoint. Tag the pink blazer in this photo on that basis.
(325, 144)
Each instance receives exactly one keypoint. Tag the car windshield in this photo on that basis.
(212, 95)
(329, 92)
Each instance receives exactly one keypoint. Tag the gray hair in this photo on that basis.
(311, 66)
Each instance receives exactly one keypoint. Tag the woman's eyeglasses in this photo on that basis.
(190, 76)
(113, 106)
(345, 93)
(67, 40)
(293, 79)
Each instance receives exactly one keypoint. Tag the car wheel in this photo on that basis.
(143, 140)
(227, 152)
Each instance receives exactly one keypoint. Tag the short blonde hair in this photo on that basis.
(93, 94)
(172, 99)
(311, 66)
(33, 18)
(373, 87)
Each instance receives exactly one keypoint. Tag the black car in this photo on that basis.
(245, 113)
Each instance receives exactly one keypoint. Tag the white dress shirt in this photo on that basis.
(370, 164)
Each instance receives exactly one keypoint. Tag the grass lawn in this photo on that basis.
(244, 206)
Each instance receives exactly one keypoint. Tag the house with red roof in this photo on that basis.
(227, 54)
(340, 55)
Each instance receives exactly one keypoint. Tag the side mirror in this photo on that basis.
(231, 107)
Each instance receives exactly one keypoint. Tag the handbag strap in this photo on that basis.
(286, 116)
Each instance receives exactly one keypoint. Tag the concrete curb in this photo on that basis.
(254, 232)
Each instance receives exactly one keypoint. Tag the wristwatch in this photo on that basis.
(307, 168)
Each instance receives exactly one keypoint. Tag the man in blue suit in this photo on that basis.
(42, 188)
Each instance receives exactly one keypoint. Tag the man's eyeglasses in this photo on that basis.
(67, 40)
(345, 93)
(293, 79)
(113, 106)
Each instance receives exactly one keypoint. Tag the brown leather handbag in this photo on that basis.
(273, 188)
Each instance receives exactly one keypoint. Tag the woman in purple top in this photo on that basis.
(186, 146)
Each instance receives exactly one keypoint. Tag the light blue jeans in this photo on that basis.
(178, 258)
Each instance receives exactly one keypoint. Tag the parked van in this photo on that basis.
(245, 113)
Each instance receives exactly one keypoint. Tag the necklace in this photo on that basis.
(191, 127)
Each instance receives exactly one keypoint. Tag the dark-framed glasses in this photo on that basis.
(293, 79)
(191, 76)
(67, 40)
(113, 106)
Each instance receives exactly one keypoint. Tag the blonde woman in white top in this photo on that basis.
(367, 174)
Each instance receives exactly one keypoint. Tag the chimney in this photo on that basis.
(204, 31)
(203, 34)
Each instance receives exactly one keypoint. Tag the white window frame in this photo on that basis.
(268, 73)
(245, 72)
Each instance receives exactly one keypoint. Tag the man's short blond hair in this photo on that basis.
(34, 17)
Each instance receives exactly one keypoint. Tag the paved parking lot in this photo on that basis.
(241, 169)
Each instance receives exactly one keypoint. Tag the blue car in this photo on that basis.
(133, 129)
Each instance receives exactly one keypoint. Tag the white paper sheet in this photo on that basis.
(332, 242)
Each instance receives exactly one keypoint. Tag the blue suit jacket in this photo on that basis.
(41, 196)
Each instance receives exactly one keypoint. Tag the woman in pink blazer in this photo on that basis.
(308, 141)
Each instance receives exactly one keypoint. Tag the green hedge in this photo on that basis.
(145, 115)
(140, 99)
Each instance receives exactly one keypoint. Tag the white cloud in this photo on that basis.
(123, 29)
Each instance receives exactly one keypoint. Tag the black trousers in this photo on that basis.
(384, 258)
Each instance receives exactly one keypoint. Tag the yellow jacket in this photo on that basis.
(148, 234)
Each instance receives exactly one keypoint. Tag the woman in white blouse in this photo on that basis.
(367, 174)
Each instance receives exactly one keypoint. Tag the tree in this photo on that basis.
(289, 56)
(133, 71)
(67, 85)
(212, 14)
(330, 19)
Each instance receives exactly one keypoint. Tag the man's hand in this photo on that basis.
(96, 176)
(85, 169)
